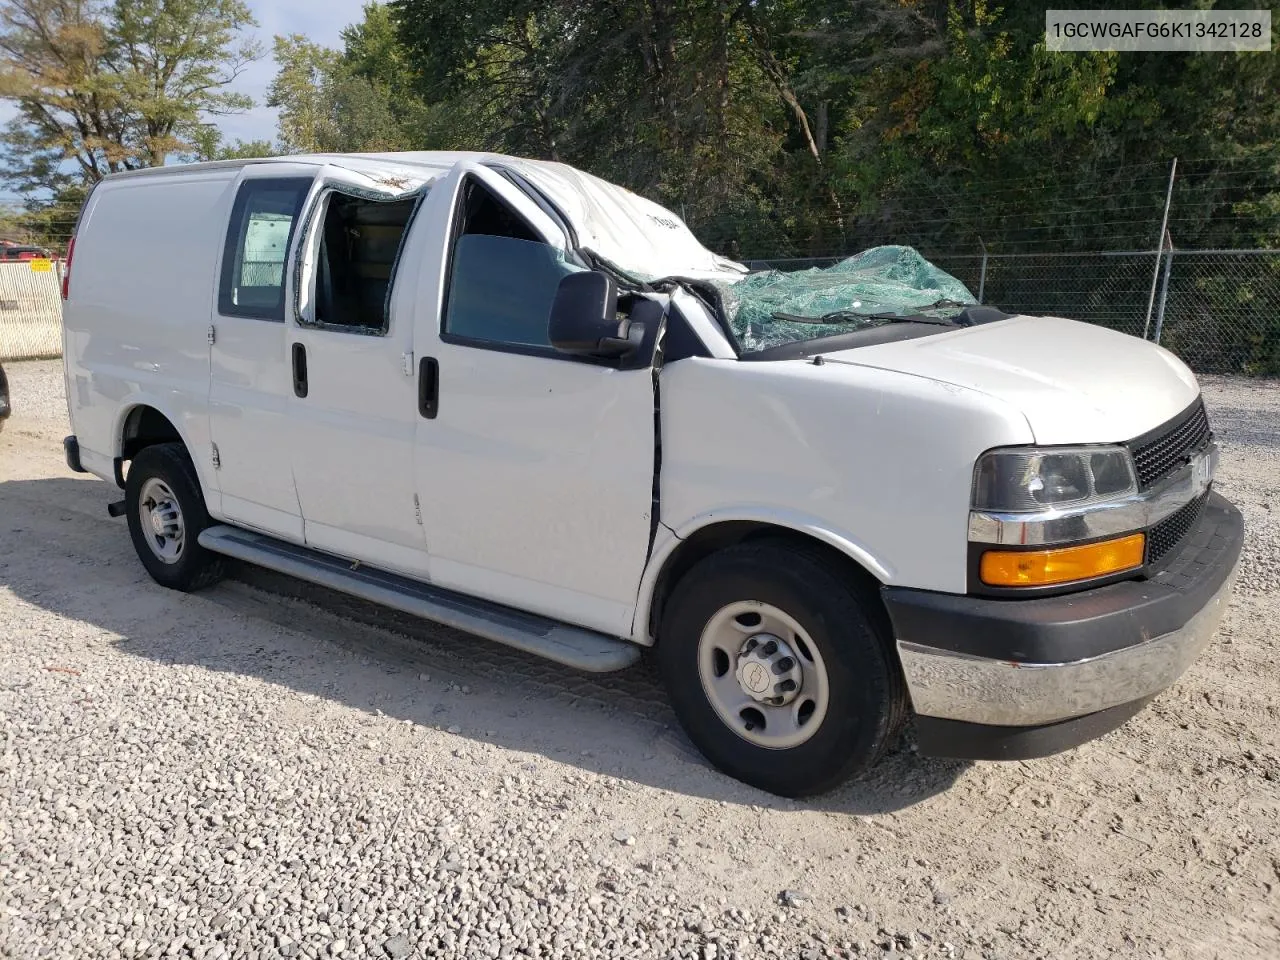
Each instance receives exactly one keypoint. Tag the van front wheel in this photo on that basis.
(166, 514)
(778, 670)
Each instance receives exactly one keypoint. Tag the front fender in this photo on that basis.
(877, 464)
(669, 540)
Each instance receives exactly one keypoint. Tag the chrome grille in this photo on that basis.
(1156, 458)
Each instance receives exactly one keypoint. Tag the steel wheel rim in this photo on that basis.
(736, 695)
(161, 520)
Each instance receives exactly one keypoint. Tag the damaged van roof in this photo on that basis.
(638, 235)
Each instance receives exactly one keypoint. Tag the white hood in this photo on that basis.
(1074, 382)
(623, 227)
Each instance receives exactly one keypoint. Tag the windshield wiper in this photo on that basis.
(851, 316)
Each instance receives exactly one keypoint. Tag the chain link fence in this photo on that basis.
(1222, 313)
(30, 310)
(1219, 310)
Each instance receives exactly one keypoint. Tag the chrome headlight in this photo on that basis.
(1033, 480)
(1034, 499)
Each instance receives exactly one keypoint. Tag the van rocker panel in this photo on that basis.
(562, 643)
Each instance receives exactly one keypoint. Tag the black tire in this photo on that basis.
(5, 409)
(866, 703)
(194, 567)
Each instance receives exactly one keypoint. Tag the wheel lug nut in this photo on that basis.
(771, 648)
(785, 664)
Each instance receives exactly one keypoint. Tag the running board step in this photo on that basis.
(571, 646)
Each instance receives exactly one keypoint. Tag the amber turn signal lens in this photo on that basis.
(1038, 568)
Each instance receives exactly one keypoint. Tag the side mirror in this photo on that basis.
(584, 318)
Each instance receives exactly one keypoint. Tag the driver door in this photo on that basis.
(535, 468)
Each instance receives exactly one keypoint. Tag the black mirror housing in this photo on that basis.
(584, 316)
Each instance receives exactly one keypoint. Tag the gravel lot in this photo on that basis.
(259, 771)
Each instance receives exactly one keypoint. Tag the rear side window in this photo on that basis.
(359, 241)
(253, 263)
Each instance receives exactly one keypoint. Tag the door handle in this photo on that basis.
(428, 387)
(299, 370)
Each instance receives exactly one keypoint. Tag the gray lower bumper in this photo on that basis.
(1027, 663)
(957, 686)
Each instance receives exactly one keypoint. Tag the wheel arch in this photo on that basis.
(143, 421)
(697, 540)
(141, 424)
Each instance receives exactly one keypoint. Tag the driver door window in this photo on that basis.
(502, 278)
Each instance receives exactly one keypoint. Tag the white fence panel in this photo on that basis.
(30, 310)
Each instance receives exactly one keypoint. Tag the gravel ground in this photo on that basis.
(261, 771)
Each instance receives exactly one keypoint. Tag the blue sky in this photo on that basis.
(321, 20)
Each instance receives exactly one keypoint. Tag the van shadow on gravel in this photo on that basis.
(62, 553)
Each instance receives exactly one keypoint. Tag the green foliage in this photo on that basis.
(812, 127)
(103, 87)
(46, 222)
(1227, 313)
(1002, 139)
(358, 99)
(821, 126)
(299, 92)
(244, 150)
(774, 127)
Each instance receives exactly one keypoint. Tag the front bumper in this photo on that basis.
(993, 679)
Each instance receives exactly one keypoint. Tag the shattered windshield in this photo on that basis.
(877, 286)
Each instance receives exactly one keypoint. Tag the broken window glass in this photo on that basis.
(773, 307)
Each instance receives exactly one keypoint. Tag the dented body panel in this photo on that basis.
(876, 463)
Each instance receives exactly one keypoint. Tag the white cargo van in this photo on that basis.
(510, 397)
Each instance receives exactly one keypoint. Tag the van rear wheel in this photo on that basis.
(779, 669)
(166, 512)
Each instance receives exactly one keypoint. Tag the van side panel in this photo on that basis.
(137, 319)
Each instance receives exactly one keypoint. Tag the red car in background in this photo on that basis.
(19, 251)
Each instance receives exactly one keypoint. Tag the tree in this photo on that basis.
(996, 136)
(813, 127)
(102, 88)
(354, 100)
(662, 96)
(209, 145)
(300, 92)
(372, 52)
